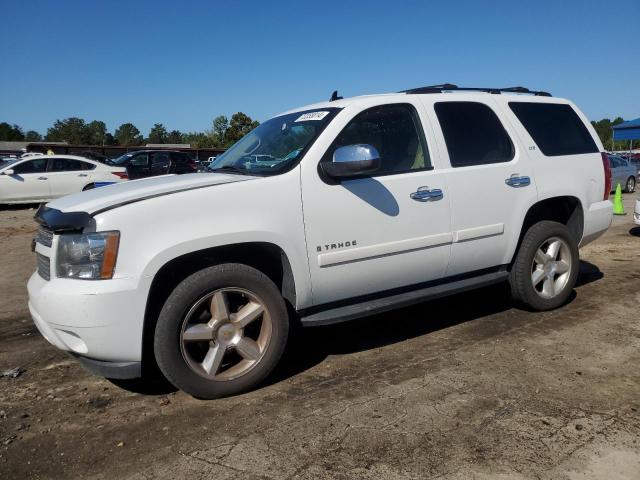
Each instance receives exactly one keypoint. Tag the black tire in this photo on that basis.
(167, 339)
(630, 185)
(522, 285)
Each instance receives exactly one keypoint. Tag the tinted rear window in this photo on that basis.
(473, 134)
(556, 128)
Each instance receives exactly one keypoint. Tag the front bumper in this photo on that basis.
(99, 320)
(117, 370)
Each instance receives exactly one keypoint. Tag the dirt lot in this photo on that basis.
(464, 388)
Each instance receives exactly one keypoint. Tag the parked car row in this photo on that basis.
(43, 178)
(623, 172)
(35, 178)
(149, 163)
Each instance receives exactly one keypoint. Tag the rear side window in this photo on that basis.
(180, 157)
(69, 165)
(556, 128)
(473, 134)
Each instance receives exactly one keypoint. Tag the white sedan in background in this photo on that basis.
(43, 178)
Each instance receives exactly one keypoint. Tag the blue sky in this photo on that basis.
(183, 63)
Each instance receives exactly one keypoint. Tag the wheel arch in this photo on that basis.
(567, 210)
(266, 257)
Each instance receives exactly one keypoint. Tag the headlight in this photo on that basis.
(90, 256)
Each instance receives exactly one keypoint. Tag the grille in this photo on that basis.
(44, 266)
(44, 236)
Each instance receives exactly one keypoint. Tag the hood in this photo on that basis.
(111, 196)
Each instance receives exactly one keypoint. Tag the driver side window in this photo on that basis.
(395, 131)
(141, 160)
(38, 165)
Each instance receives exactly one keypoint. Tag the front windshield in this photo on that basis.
(122, 159)
(6, 161)
(274, 145)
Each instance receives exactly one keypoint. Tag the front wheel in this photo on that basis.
(546, 267)
(221, 331)
(630, 186)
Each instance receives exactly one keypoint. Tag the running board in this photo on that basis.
(372, 307)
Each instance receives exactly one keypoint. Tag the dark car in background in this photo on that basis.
(149, 163)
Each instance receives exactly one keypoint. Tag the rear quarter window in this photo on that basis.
(556, 128)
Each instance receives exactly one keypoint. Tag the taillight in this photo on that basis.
(607, 176)
(122, 175)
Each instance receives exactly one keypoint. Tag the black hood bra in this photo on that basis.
(58, 221)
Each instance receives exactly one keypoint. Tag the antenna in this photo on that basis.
(334, 96)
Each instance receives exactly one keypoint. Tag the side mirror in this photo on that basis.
(8, 171)
(353, 161)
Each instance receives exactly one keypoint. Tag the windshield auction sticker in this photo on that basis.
(311, 116)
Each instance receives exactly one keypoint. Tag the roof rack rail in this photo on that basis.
(449, 87)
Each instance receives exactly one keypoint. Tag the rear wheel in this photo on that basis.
(546, 266)
(91, 186)
(630, 186)
(221, 331)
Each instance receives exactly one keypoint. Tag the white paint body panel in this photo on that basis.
(398, 241)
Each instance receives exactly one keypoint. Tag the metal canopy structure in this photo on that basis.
(627, 130)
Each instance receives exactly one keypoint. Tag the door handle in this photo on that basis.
(517, 181)
(82, 175)
(42, 178)
(424, 194)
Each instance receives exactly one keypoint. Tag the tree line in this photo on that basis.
(222, 134)
(76, 131)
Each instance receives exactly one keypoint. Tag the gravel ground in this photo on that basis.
(466, 387)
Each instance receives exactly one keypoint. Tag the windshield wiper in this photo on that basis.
(230, 168)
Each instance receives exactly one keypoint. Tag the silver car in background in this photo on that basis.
(623, 172)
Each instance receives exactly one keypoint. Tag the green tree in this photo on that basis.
(220, 127)
(32, 136)
(10, 133)
(604, 130)
(158, 134)
(71, 130)
(96, 132)
(109, 139)
(239, 126)
(174, 136)
(198, 140)
(127, 134)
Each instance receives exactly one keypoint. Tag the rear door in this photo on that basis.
(489, 176)
(67, 175)
(29, 182)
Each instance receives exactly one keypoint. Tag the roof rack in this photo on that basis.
(448, 87)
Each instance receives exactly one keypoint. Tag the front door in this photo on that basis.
(29, 182)
(138, 166)
(388, 230)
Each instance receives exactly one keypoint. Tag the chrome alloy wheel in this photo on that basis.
(551, 267)
(225, 334)
(631, 184)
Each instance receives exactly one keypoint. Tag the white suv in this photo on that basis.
(322, 214)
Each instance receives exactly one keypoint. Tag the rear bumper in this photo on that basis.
(597, 219)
